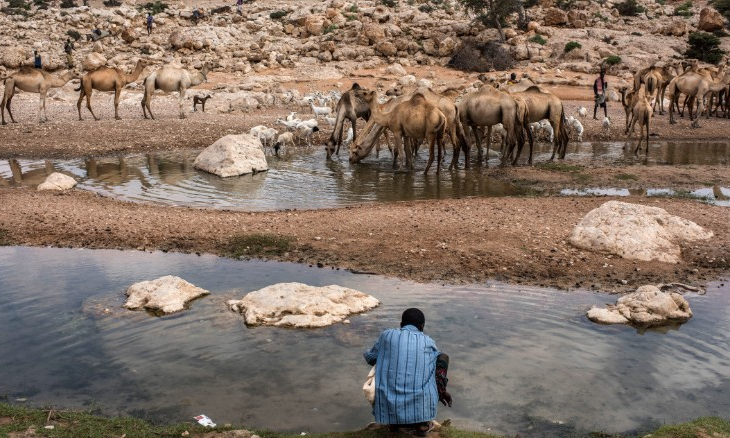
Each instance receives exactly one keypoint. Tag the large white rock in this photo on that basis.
(233, 155)
(635, 232)
(300, 305)
(166, 294)
(93, 60)
(648, 306)
(57, 181)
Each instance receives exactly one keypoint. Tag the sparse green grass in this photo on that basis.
(706, 426)
(331, 28)
(683, 194)
(612, 60)
(626, 177)
(253, 245)
(684, 10)
(571, 45)
(278, 14)
(538, 39)
(555, 166)
(581, 178)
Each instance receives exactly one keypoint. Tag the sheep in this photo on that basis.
(290, 117)
(575, 125)
(310, 123)
(583, 112)
(546, 127)
(267, 135)
(320, 110)
(290, 124)
(330, 120)
(287, 138)
(607, 126)
(304, 131)
(256, 130)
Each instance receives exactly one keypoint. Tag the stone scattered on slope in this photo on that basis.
(635, 231)
(233, 155)
(646, 307)
(57, 181)
(167, 294)
(301, 305)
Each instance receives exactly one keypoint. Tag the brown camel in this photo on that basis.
(107, 79)
(171, 79)
(415, 119)
(641, 113)
(543, 105)
(369, 138)
(351, 108)
(663, 75)
(33, 80)
(695, 86)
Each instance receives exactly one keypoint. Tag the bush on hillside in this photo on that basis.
(570, 45)
(684, 10)
(612, 60)
(630, 8)
(704, 47)
(482, 57)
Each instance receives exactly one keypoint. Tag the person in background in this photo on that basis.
(196, 15)
(150, 20)
(68, 47)
(37, 59)
(239, 4)
(410, 376)
(599, 94)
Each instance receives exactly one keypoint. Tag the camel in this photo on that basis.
(364, 143)
(487, 107)
(628, 101)
(642, 113)
(107, 79)
(33, 80)
(544, 105)
(351, 108)
(695, 86)
(663, 76)
(169, 79)
(416, 119)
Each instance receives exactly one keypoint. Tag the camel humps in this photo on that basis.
(32, 80)
(169, 79)
(107, 79)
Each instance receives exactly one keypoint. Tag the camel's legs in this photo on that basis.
(10, 112)
(181, 99)
(397, 148)
(7, 97)
(117, 94)
(477, 137)
(42, 116)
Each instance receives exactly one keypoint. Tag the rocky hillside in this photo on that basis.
(345, 35)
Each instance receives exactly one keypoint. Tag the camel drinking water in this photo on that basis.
(107, 79)
(32, 80)
(351, 108)
(169, 79)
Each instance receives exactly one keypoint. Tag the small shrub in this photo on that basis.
(41, 4)
(607, 39)
(570, 45)
(612, 60)
(331, 28)
(684, 10)
(636, 33)
(19, 4)
(112, 3)
(538, 39)
(278, 14)
(65, 4)
(425, 8)
(351, 17)
(253, 245)
(720, 33)
(353, 9)
(705, 47)
(565, 5)
(481, 57)
(629, 8)
(722, 6)
(389, 3)
(73, 34)
(661, 2)
(145, 50)
(154, 8)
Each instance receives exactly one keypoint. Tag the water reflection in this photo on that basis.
(715, 195)
(524, 360)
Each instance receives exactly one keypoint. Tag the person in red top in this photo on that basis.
(599, 94)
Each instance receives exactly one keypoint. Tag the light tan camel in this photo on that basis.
(641, 113)
(628, 101)
(349, 107)
(543, 105)
(107, 79)
(33, 80)
(415, 119)
(663, 75)
(695, 86)
(370, 136)
(485, 108)
(170, 79)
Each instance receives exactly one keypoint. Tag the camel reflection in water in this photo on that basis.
(32, 177)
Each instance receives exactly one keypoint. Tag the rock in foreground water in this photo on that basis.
(301, 305)
(166, 294)
(646, 307)
(57, 181)
(233, 155)
(635, 232)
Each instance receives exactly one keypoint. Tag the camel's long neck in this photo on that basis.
(60, 81)
(196, 79)
(135, 74)
(377, 114)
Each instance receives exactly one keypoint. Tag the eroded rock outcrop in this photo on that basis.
(57, 181)
(233, 155)
(635, 231)
(301, 305)
(646, 307)
(710, 20)
(167, 294)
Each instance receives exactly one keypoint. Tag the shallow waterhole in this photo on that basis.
(523, 359)
(305, 180)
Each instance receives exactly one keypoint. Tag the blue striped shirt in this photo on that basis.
(405, 379)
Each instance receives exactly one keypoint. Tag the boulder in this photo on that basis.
(373, 33)
(710, 20)
(646, 307)
(555, 17)
(93, 60)
(396, 69)
(129, 35)
(233, 155)
(12, 57)
(301, 305)
(407, 80)
(167, 294)
(635, 232)
(314, 24)
(386, 48)
(57, 181)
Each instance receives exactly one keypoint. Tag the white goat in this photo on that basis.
(547, 128)
(575, 125)
(607, 126)
(330, 120)
(310, 123)
(267, 136)
(290, 117)
(583, 112)
(306, 132)
(320, 110)
(256, 130)
(348, 138)
(290, 124)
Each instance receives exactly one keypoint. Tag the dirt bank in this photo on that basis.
(521, 240)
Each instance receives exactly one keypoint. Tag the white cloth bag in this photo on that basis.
(369, 387)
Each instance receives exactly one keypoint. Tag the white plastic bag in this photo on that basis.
(369, 387)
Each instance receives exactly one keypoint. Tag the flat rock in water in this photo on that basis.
(233, 155)
(635, 232)
(57, 181)
(646, 307)
(300, 305)
(166, 294)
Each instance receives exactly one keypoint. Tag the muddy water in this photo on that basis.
(303, 181)
(523, 360)
(715, 195)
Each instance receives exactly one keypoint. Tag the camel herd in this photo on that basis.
(167, 79)
(414, 115)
